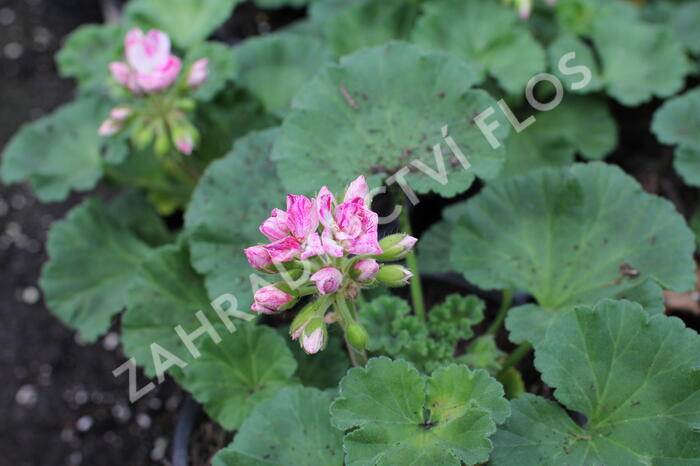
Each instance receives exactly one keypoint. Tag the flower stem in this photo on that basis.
(411, 262)
(515, 357)
(357, 356)
(506, 299)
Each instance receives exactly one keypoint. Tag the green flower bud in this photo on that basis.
(356, 335)
(302, 319)
(162, 144)
(142, 136)
(393, 275)
(395, 247)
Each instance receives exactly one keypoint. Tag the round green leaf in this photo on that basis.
(382, 109)
(684, 21)
(274, 67)
(87, 53)
(677, 121)
(224, 214)
(186, 21)
(234, 375)
(634, 377)
(639, 60)
(687, 163)
(292, 428)
(367, 23)
(58, 153)
(401, 417)
(165, 292)
(487, 35)
(574, 235)
(93, 256)
(584, 57)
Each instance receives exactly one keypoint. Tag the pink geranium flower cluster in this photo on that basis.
(337, 246)
(151, 68)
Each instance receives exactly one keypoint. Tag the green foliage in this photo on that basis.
(367, 23)
(677, 122)
(635, 379)
(291, 428)
(224, 214)
(487, 35)
(401, 416)
(379, 109)
(186, 21)
(87, 53)
(93, 255)
(575, 235)
(165, 292)
(233, 376)
(393, 331)
(59, 152)
(274, 67)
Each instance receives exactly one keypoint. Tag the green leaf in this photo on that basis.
(232, 114)
(487, 35)
(436, 243)
(220, 66)
(274, 67)
(483, 353)
(381, 318)
(565, 44)
(677, 121)
(92, 259)
(575, 235)
(687, 164)
(58, 153)
(365, 116)
(655, 65)
(401, 417)
(292, 428)
(684, 22)
(87, 53)
(186, 21)
(634, 377)
(367, 23)
(453, 319)
(224, 214)
(165, 292)
(133, 211)
(231, 377)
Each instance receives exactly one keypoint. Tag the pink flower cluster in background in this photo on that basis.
(149, 66)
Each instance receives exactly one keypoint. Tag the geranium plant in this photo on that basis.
(542, 336)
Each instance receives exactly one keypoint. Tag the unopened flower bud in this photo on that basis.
(162, 144)
(270, 299)
(356, 335)
(120, 113)
(109, 127)
(198, 73)
(524, 8)
(327, 280)
(394, 275)
(365, 270)
(258, 257)
(314, 336)
(396, 247)
(302, 318)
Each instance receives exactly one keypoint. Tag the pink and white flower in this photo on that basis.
(269, 299)
(313, 342)
(258, 257)
(185, 143)
(368, 269)
(109, 127)
(149, 67)
(327, 280)
(350, 226)
(198, 73)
